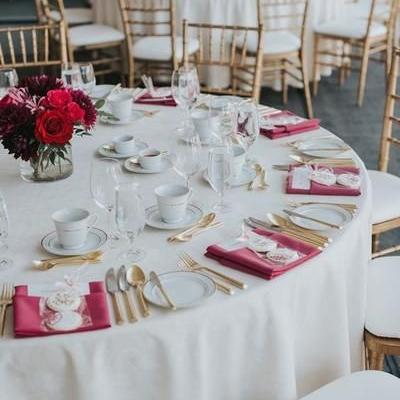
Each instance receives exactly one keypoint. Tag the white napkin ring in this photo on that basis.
(261, 244)
(282, 256)
(324, 176)
(349, 180)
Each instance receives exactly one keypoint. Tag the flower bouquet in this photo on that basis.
(38, 120)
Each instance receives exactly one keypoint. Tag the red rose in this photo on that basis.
(53, 128)
(59, 98)
(75, 113)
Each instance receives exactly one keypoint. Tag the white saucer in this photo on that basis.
(153, 218)
(247, 175)
(330, 143)
(113, 154)
(95, 239)
(166, 164)
(185, 288)
(135, 115)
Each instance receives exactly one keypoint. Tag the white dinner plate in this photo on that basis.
(153, 218)
(101, 91)
(308, 146)
(186, 289)
(325, 212)
(95, 239)
(103, 150)
(247, 175)
(131, 166)
(135, 115)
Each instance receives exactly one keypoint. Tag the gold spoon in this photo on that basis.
(48, 263)
(137, 278)
(204, 222)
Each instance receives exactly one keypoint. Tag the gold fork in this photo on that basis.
(5, 300)
(194, 265)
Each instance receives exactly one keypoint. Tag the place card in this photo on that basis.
(301, 178)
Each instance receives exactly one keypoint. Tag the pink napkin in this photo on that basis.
(291, 129)
(164, 101)
(247, 261)
(27, 320)
(323, 190)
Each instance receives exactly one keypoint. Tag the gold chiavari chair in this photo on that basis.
(386, 187)
(153, 45)
(370, 36)
(30, 46)
(102, 45)
(285, 24)
(238, 48)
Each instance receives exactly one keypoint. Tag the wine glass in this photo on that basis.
(88, 77)
(222, 119)
(5, 263)
(248, 124)
(219, 171)
(186, 157)
(106, 174)
(71, 75)
(185, 89)
(130, 219)
(8, 79)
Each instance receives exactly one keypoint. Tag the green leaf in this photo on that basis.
(100, 103)
(52, 157)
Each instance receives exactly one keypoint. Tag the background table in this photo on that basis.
(279, 339)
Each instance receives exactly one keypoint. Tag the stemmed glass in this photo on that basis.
(8, 79)
(222, 120)
(219, 171)
(105, 176)
(130, 219)
(88, 77)
(5, 263)
(185, 89)
(71, 75)
(248, 124)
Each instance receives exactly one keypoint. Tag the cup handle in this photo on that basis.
(93, 220)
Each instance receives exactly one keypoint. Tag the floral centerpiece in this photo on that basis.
(38, 120)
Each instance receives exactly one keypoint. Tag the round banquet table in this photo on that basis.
(278, 339)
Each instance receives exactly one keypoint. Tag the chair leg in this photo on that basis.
(306, 85)
(375, 243)
(375, 360)
(315, 65)
(363, 74)
(284, 82)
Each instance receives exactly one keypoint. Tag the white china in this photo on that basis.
(107, 150)
(134, 116)
(325, 212)
(72, 227)
(132, 165)
(307, 147)
(172, 200)
(192, 216)
(151, 159)
(95, 239)
(120, 105)
(101, 91)
(247, 175)
(185, 288)
(125, 144)
(238, 161)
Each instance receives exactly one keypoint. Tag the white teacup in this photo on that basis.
(172, 202)
(150, 159)
(201, 122)
(239, 159)
(120, 105)
(72, 226)
(125, 144)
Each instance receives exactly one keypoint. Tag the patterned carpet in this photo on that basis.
(359, 127)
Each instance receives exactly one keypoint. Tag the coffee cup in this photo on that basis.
(72, 226)
(120, 105)
(150, 159)
(125, 144)
(201, 122)
(239, 159)
(172, 202)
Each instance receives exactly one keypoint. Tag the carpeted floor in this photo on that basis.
(359, 127)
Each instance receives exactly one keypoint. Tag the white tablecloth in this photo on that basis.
(278, 340)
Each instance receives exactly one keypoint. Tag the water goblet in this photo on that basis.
(8, 79)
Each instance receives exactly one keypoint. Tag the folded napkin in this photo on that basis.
(163, 100)
(323, 190)
(28, 321)
(279, 131)
(245, 260)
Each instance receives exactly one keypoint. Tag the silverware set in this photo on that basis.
(49, 263)
(6, 295)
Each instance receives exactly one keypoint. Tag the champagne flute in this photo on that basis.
(218, 172)
(106, 174)
(88, 77)
(71, 75)
(5, 263)
(185, 88)
(8, 79)
(130, 219)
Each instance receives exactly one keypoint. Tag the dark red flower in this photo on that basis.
(40, 85)
(75, 113)
(59, 98)
(86, 104)
(52, 127)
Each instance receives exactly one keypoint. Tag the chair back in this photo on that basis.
(284, 15)
(390, 119)
(31, 46)
(383, 12)
(238, 48)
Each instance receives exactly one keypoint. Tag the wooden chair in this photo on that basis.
(372, 35)
(238, 48)
(382, 321)
(284, 44)
(385, 186)
(153, 45)
(29, 46)
(102, 45)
